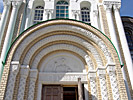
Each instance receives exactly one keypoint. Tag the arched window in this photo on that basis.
(85, 14)
(62, 9)
(38, 14)
(129, 36)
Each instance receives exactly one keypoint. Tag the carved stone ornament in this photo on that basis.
(6, 2)
(95, 12)
(61, 77)
(16, 3)
(24, 70)
(23, 76)
(12, 78)
(47, 11)
(113, 81)
(15, 67)
(76, 12)
(33, 77)
(89, 62)
(109, 4)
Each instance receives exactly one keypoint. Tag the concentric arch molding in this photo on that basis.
(54, 38)
(36, 31)
(76, 29)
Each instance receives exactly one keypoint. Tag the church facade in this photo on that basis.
(64, 50)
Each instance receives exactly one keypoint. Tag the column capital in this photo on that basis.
(92, 74)
(33, 74)
(95, 12)
(109, 4)
(111, 68)
(15, 66)
(49, 10)
(6, 2)
(24, 70)
(76, 12)
(16, 3)
(116, 6)
(101, 72)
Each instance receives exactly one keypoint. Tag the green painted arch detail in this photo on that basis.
(3, 62)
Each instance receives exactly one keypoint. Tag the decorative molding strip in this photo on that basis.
(62, 77)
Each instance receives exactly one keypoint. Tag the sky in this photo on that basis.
(126, 8)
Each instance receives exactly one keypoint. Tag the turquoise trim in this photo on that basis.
(58, 19)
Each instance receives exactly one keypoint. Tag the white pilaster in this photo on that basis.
(28, 14)
(23, 76)
(92, 78)
(102, 77)
(113, 81)
(9, 33)
(108, 6)
(123, 41)
(3, 21)
(14, 69)
(33, 77)
(95, 18)
(112, 31)
(101, 25)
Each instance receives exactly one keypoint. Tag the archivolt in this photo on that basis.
(88, 40)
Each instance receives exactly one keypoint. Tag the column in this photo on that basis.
(92, 78)
(39, 95)
(80, 91)
(33, 77)
(5, 14)
(102, 77)
(113, 81)
(28, 14)
(111, 26)
(108, 6)
(14, 69)
(124, 43)
(23, 76)
(9, 33)
(95, 17)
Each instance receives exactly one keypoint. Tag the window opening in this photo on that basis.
(85, 14)
(62, 9)
(129, 37)
(38, 14)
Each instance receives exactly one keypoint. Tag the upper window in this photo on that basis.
(85, 13)
(62, 9)
(38, 14)
(129, 37)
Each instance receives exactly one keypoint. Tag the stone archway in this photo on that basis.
(27, 56)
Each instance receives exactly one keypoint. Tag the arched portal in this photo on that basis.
(54, 55)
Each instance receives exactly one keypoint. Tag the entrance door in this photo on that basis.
(52, 93)
(59, 93)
